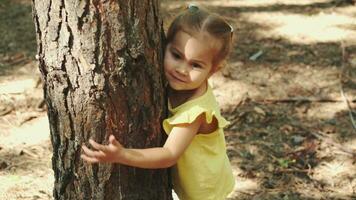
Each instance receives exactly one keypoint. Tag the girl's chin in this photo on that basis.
(177, 86)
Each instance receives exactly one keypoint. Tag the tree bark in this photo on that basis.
(101, 64)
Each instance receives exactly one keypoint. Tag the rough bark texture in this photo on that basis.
(101, 66)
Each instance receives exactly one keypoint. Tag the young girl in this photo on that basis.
(198, 43)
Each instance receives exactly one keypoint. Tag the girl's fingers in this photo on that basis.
(97, 145)
(91, 153)
(89, 159)
(100, 153)
(87, 151)
(113, 140)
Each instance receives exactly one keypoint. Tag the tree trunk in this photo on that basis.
(101, 64)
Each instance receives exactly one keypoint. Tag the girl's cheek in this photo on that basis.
(171, 63)
(166, 62)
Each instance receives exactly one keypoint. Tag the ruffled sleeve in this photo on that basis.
(188, 115)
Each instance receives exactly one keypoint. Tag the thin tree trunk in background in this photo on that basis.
(101, 64)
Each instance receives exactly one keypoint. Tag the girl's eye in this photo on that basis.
(196, 65)
(176, 55)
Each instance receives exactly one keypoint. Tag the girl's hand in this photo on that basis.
(111, 153)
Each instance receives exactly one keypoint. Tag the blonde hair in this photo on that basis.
(194, 20)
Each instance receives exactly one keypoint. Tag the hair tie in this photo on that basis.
(231, 29)
(192, 7)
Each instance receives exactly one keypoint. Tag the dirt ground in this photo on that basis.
(289, 91)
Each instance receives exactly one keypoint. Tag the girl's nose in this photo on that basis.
(182, 70)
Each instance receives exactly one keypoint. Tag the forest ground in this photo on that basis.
(292, 69)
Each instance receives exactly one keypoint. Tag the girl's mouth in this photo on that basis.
(178, 79)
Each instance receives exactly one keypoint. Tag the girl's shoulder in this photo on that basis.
(204, 106)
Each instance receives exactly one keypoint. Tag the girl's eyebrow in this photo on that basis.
(192, 60)
(175, 49)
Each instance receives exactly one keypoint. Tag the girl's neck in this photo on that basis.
(178, 97)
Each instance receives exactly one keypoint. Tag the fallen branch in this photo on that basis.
(303, 99)
(28, 117)
(29, 153)
(6, 111)
(343, 95)
(246, 193)
(348, 107)
(328, 140)
(308, 171)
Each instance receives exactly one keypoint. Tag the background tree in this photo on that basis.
(101, 66)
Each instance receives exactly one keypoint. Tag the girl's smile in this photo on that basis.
(179, 78)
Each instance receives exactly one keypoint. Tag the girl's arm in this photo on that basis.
(160, 157)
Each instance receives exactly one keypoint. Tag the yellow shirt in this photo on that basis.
(203, 172)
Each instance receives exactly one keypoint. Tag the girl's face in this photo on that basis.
(188, 61)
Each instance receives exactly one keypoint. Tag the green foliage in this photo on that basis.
(285, 163)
